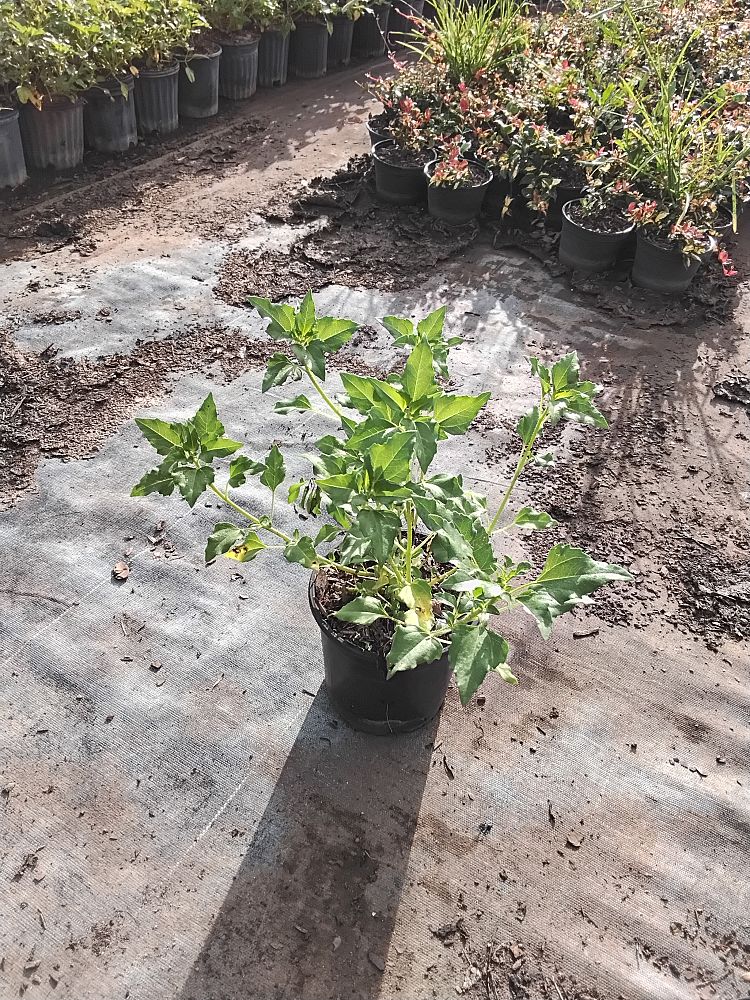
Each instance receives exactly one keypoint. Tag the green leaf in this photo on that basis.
(419, 378)
(410, 647)
(220, 448)
(431, 326)
(454, 413)
(242, 467)
(297, 404)
(391, 460)
(274, 471)
(306, 316)
(334, 333)
(359, 390)
(193, 482)
(380, 527)
(373, 430)
(206, 421)
(568, 577)
(282, 315)
(160, 480)
(248, 550)
(279, 370)
(301, 550)
(425, 446)
(528, 426)
(362, 611)
(398, 327)
(327, 533)
(160, 434)
(474, 651)
(529, 517)
(223, 537)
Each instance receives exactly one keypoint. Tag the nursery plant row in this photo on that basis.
(89, 73)
(624, 126)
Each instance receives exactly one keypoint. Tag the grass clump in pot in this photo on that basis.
(416, 557)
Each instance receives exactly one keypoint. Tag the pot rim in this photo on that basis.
(465, 187)
(8, 115)
(163, 69)
(389, 142)
(213, 54)
(377, 659)
(594, 232)
(640, 231)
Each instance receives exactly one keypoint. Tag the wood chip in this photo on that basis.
(121, 570)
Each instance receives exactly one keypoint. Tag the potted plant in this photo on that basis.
(400, 161)
(235, 30)
(308, 46)
(163, 32)
(596, 228)
(46, 54)
(456, 187)
(371, 31)
(343, 17)
(109, 110)
(407, 567)
(276, 25)
(12, 162)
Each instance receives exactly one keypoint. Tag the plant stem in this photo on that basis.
(246, 513)
(522, 460)
(323, 395)
(409, 540)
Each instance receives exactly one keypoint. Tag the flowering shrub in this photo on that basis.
(453, 171)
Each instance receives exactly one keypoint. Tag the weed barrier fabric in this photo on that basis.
(185, 817)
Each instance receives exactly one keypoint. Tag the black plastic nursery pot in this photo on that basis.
(456, 206)
(199, 97)
(396, 183)
(109, 116)
(156, 99)
(12, 162)
(357, 684)
(308, 48)
(238, 67)
(340, 42)
(53, 137)
(378, 131)
(399, 24)
(563, 194)
(587, 250)
(662, 269)
(273, 58)
(370, 32)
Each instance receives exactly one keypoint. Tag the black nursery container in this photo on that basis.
(562, 195)
(371, 31)
(199, 97)
(109, 116)
(156, 105)
(308, 49)
(273, 58)
(399, 24)
(661, 269)
(340, 42)
(12, 162)
(456, 206)
(399, 185)
(586, 250)
(378, 133)
(238, 68)
(53, 137)
(359, 689)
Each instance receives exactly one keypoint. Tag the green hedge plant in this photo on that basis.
(418, 548)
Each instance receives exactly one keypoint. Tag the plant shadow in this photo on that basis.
(311, 910)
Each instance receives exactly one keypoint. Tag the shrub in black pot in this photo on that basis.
(235, 29)
(662, 264)
(399, 172)
(308, 46)
(379, 128)
(12, 162)
(456, 188)
(198, 92)
(273, 56)
(405, 571)
(53, 133)
(595, 230)
(371, 31)
(156, 98)
(109, 115)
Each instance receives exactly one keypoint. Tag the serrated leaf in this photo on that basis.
(529, 517)
(160, 435)
(569, 575)
(220, 448)
(454, 413)
(362, 611)
(474, 651)
(242, 467)
(419, 377)
(391, 460)
(206, 420)
(159, 480)
(192, 482)
(222, 538)
(249, 548)
(274, 470)
(410, 647)
(298, 404)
